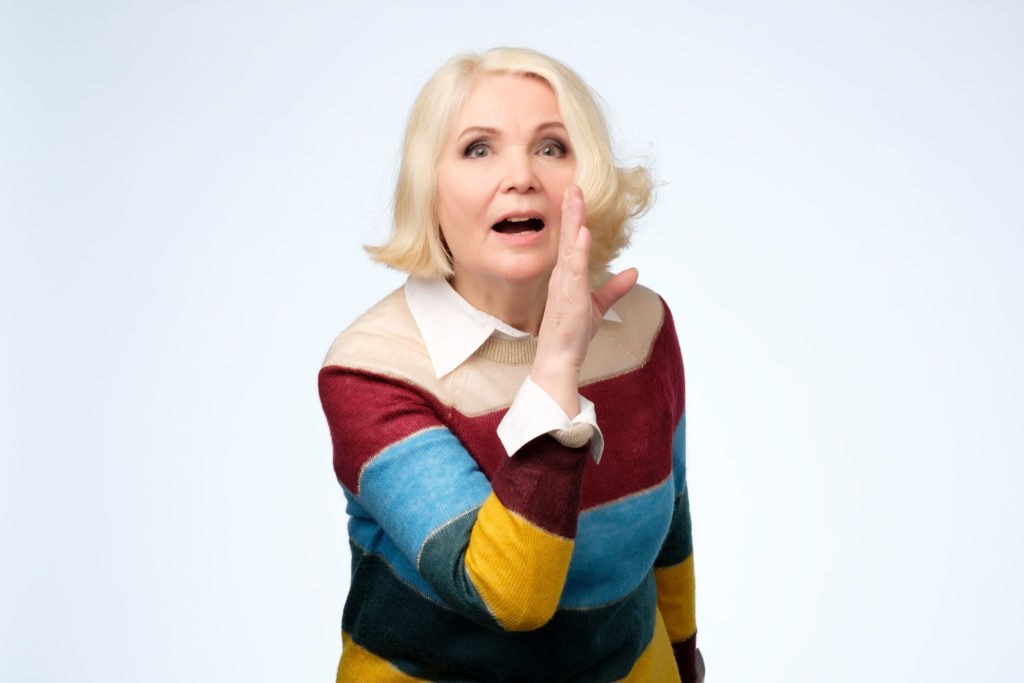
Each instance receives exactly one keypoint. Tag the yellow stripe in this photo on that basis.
(675, 598)
(518, 568)
(359, 665)
(657, 662)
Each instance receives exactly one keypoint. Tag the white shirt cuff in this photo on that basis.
(533, 413)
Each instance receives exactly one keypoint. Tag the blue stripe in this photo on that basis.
(679, 455)
(418, 484)
(616, 545)
(368, 535)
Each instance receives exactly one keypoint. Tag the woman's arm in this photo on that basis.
(673, 573)
(497, 552)
(673, 568)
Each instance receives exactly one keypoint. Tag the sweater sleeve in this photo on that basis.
(673, 568)
(495, 551)
(673, 573)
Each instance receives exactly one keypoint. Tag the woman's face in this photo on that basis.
(500, 180)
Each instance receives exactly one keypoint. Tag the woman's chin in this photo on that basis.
(526, 274)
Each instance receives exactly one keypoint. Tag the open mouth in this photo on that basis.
(518, 226)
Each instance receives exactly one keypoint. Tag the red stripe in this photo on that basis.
(366, 414)
(380, 411)
(689, 660)
(638, 430)
(542, 484)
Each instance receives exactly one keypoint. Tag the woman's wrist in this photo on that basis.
(562, 383)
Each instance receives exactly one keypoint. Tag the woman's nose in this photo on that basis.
(519, 172)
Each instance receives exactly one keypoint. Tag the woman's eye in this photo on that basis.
(477, 150)
(552, 148)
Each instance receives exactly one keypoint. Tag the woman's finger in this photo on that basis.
(566, 327)
(614, 289)
(574, 239)
(574, 213)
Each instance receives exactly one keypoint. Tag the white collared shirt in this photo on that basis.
(453, 330)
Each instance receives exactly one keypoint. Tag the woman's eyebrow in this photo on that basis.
(494, 132)
(477, 130)
(551, 124)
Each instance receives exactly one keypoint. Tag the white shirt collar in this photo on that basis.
(452, 328)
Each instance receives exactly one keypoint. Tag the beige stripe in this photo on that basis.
(386, 341)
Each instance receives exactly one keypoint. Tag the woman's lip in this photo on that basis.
(521, 214)
(525, 238)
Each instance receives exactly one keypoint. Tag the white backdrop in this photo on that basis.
(185, 190)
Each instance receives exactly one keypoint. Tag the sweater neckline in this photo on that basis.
(509, 351)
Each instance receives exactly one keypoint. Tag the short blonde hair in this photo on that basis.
(614, 196)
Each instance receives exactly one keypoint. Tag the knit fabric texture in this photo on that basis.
(469, 565)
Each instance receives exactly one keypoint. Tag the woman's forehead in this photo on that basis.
(500, 100)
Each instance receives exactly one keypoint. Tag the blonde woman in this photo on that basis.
(508, 427)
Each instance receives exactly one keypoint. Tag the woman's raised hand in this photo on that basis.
(572, 313)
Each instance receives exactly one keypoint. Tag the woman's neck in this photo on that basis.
(520, 305)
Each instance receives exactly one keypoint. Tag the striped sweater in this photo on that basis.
(469, 565)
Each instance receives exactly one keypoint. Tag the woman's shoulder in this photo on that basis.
(383, 340)
(641, 306)
(623, 346)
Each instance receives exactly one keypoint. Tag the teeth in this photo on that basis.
(516, 220)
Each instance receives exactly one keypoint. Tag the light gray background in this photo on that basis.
(185, 189)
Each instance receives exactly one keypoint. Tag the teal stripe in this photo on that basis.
(443, 563)
(415, 486)
(616, 545)
(427, 641)
(367, 534)
(679, 542)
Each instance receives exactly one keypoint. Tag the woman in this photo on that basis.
(511, 443)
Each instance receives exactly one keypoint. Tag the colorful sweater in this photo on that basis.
(471, 565)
